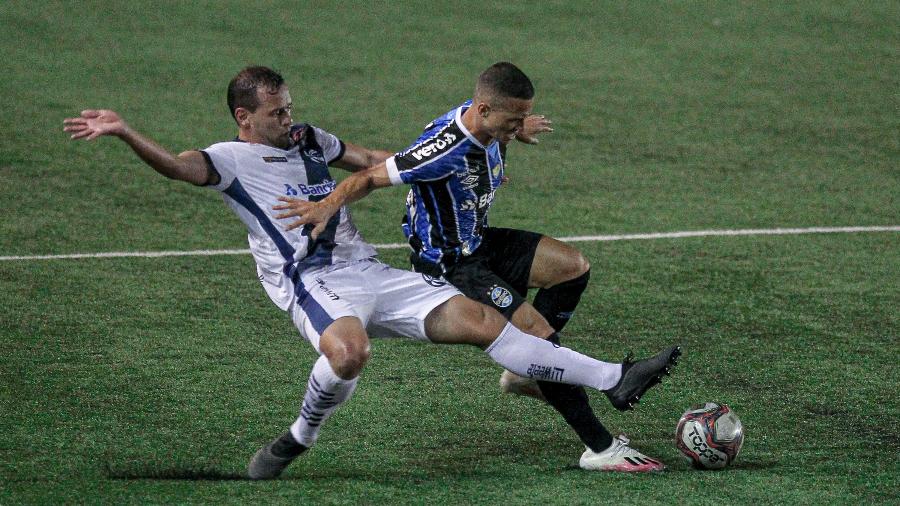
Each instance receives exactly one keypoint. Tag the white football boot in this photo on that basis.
(511, 383)
(619, 457)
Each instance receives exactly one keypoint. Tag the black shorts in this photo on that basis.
(497, 273)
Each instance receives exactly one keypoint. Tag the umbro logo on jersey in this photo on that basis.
(433, 146)
(274, 159)
(469, 182)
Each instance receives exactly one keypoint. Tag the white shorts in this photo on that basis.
(388, 301)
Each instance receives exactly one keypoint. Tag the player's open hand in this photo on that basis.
(93, 123)
(534, 124)
(316, 214)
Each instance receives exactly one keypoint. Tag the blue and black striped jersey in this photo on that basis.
(453, 178)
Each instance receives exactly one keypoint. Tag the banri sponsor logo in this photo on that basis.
(318, 189)
(433, 146)
(311, 189)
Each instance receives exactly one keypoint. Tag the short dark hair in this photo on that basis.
(506, 80)
(242, 89)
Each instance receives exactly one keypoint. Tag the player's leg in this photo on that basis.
(345, 350)
(531, 260)
(529, 321)
(561, 274)
(419, 307)
(330, 319)
(461, 320)
(570, 401)
(602, 451)
(459, 317)
(510, 255)
(500, 279)
(424, 307)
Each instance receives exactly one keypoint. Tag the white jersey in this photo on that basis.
(253, 176)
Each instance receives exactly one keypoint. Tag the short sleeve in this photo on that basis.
(429, 159)
(332, 147)
(220, 158)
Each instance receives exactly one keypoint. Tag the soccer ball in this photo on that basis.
(710, 435)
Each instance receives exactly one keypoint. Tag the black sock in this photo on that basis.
(572, 403)
(286, 447)
(558, 302)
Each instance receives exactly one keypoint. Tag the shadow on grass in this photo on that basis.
(383, 476)
(173, 473)
(681, 467)
(189, 474)
(740, 465)
(186, 473)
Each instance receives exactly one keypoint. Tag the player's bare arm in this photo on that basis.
(189, 166)
(354, 187)
(357, 158)
(534, 125)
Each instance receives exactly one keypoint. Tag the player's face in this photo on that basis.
(270, 124)
(505, 117)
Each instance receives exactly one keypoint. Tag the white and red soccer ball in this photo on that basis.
(710, 435)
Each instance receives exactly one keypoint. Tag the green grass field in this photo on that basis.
(153, 380)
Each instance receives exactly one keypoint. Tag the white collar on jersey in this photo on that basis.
(458, 119)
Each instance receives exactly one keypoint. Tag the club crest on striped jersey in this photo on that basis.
(501, 297)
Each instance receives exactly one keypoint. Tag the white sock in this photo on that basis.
(531, 357)
(325, 391)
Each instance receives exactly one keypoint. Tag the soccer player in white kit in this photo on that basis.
(326, 277)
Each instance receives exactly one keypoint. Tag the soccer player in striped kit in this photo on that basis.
(325, 276)
(455, 168)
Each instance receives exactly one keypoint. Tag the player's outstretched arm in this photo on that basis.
(534, 124)
(189, 166)
(357, 158)
(353, 188)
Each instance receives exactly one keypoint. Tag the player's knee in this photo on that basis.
(461, 320)
(528, 320)
(489, 320)
(348, 357)
(483, 323)
(576, 266)
(351, 361)
(583, 265)
(536, 327)
(570, 267)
